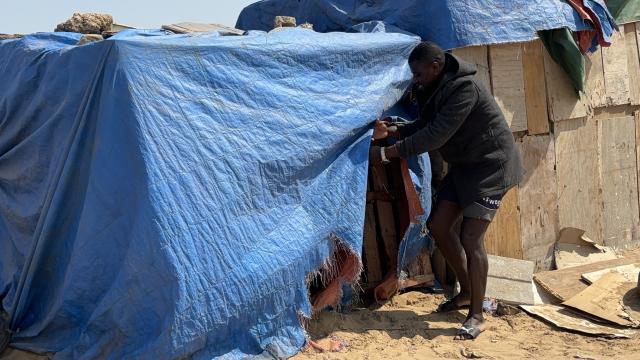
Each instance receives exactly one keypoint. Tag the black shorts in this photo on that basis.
(484, 208)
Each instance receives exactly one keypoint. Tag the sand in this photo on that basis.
(406, 328)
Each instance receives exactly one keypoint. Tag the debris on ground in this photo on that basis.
(505, 309)
(574, 248)
(596, 298)
(630, 272)
(489, 305)
(566, 283)
(472, 354)
(607, 300)
(569, 320)
(87, 23)
(330, 344)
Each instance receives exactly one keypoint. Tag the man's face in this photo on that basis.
(424, 73)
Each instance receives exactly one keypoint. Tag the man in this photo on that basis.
(460, 118)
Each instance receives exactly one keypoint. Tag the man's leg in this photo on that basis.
(472, 239)
(441, 225)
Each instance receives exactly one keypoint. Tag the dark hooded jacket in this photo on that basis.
(462, 120)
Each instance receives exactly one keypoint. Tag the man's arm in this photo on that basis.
(438, 131)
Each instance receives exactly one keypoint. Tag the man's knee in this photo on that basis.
(443, 219)
(472, 234)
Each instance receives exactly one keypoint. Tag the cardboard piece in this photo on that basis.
(542, 296)
(568, 320)
(630, 272)
(509, 280)
(604, 300)
(566, 283)
(574, 248)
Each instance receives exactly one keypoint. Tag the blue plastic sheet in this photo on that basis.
(450, 23)
(166, 196)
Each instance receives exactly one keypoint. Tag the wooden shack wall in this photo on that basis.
(581, 153)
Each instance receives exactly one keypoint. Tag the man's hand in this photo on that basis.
(383, 129)
(380, 130)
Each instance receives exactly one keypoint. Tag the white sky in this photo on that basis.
(27, 16)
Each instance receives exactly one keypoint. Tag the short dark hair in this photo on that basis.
(428, 52)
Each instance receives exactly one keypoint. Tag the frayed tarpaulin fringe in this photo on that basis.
(343, 266)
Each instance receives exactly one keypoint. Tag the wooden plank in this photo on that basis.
(507, 80)
(563, 101)
(579, 197)
(419, 272)
(603, 299)
(637, 132)
(503, 235)
(594, 79)
(479, 56)
(538, 200)
(190, 27)
(565, 283)
(614, 111)
(630, 272)
(568, 320)
(616, 72)
(535, 89)
(509, 280)
(621, 220)
(371, 249)
(633, 62)
(637, 26)
(385, 217)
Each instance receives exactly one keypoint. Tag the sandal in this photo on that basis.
(469, 331)
(450, 305)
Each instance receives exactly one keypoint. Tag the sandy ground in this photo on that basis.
(406, 328)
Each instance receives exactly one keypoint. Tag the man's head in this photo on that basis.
(426, 62)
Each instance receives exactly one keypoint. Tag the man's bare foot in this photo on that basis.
(471, 328)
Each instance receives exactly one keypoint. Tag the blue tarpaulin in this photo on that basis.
(164, 196)
(450, 23)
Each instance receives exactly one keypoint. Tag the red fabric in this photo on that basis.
(585, 37)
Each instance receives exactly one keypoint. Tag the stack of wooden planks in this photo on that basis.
(387, 217)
